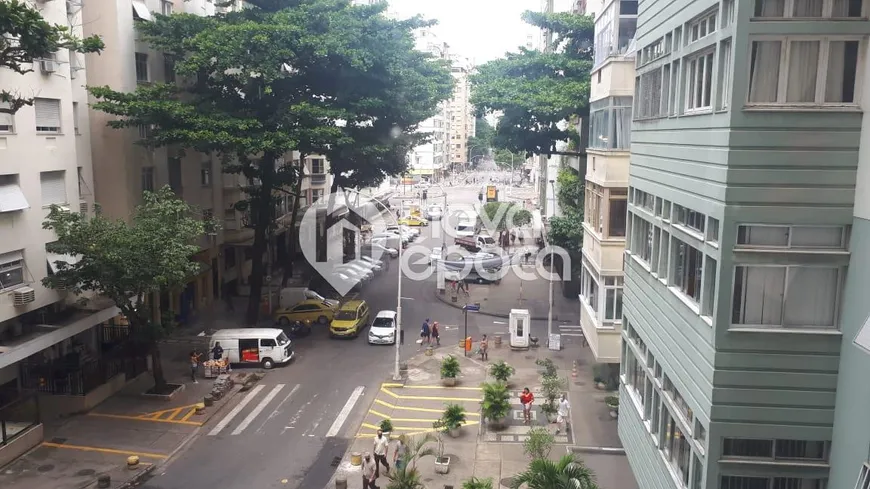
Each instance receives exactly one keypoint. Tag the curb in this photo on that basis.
(138, 477)
(599, 450)
(456, 305)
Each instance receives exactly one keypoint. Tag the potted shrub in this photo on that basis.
(612, 403)
(539, 443)
(442, 462)
(501, 371)
(449, 370)
(387, 427)
(496, 404)
(548, 368)
(552, 388)
(475, 483)
(452, 419)
(408, 477)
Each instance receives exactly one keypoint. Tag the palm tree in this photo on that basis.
(408, 477)
(567, 473)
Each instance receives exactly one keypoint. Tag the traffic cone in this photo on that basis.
(574, 370)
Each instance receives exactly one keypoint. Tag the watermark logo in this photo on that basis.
(333, 228)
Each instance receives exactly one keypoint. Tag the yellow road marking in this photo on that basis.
(388, 384)
(385, 391)
(422, 410)
(434, 387)
(174, 413)
(104, 450)
(189, 414)
(410, 420)
(140, 418)
(429, 398)
(411, 428)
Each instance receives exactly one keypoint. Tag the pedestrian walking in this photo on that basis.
(369, 472)
(194, 363)
(217, 352)
(381, 444)
(563, 414)
(425, 333)
(436, 335)
(399, 453)
(513, 237)
(484, 346)
(526, 399)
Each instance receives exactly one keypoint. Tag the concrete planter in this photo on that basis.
(455, 432)
(442, 465)
(448, 381)
(552, 417)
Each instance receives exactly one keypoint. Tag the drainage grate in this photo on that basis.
(336, 461)
(58, 441)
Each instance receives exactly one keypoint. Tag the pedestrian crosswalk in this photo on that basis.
(569, 330)
(288, 409)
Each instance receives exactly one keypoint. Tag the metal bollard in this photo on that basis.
(340, 483)
(104, 481)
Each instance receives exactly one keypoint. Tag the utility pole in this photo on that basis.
(397, 375)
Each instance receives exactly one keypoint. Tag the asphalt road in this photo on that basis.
(287, 431)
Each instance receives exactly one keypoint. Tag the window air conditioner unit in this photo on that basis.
(48, 66)
(83, 209)
(23, 296)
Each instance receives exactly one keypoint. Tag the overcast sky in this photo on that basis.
(479, 29)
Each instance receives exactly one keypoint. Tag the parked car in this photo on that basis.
(355, 271)
(383, 330)
(413, 221)
(434, 212)
(350, 319)
(378, 248)
(378, 263)
(313, 310)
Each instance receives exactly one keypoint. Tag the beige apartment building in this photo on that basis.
(611, 95)
(52, 346)
(460, 112)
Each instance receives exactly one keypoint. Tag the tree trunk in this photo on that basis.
(294, 237)
(329, 220)
(261, 213)
(157, 368)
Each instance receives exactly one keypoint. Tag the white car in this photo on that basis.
(354, 268)
(434, 212)
(378, 264)
(370, 265)
(383, 329)
(435, 255)
(383, 250)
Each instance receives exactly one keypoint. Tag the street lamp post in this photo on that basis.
(550, 299)
(397, 375)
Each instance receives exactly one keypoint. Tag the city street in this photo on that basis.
(288, 430)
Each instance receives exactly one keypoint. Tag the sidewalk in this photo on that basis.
(414, 404)
(497, 300)
(79, 449)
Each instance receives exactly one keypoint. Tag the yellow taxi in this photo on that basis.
(350, 319)
(310, 310)
(413, 221)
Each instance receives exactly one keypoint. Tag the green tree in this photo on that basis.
(281, 76)
(500, 216)
(535, 91)
(481, 142)
(566, 231)
(24, 37)
(567, 473)
(127, 262)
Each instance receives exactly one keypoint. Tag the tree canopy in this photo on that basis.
(566, 230)
(313, 76)
(499, 216)
(535, 91)
(126, 262)
(24, 37)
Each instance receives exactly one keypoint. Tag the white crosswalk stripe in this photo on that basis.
(569, 330)
(279, 409)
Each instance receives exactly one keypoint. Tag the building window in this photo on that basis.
(166, 7)
(727, 13)
(801, 9)
(678, 400)
(318, 167)
(316, 194)
(650, 99)
(47, 115)
(863, 478)
(53, 187)
(173, 166)
(676, 447)
(794, 237)
(724, 73)
(644, 200)
(168, 68)
(616, 219)
(664, 253)
(148, 179)
(610, 123)
(803, 71)
(205, 173)
(589, 290)
(11, 270)
(689, 218)
(642, 237)
(702, 27)
(688, 264)
(141, 67)
(712, 230)
(7, 121)
(613, 299)
(709, 295)
(75, 109)
(813, 450)
(788, 296)
(699, 81)
(593, 209)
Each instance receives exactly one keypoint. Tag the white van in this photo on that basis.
(251, 346)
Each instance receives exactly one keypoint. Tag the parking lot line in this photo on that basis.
(105, 450)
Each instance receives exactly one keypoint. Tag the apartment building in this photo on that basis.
(742, 181)
(45, 159)
(460, 112)
(611, 92)
(430, 160)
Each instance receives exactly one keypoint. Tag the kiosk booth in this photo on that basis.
(520, 324)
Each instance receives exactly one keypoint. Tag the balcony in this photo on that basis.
(604, 341)
(317, 178)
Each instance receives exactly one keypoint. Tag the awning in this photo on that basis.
(11, 257)
(12, 198)
(53, 258)
(140, 10)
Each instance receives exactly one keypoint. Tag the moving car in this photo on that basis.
(434, 212)
(383, 330)
(413, 221)
(350, 319)
(313, 310)
(480, 242)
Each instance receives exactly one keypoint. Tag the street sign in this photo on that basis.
(472, 307)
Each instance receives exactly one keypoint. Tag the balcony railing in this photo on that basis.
(318, 179)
